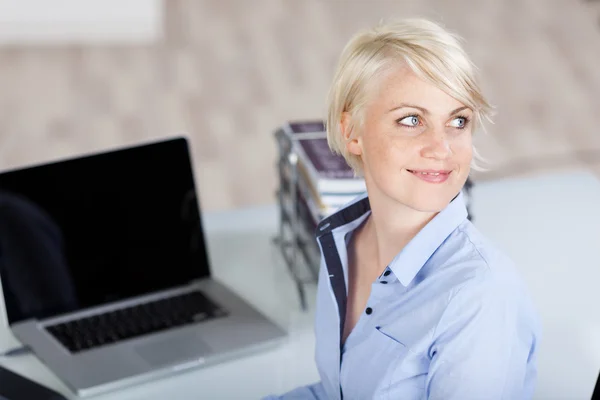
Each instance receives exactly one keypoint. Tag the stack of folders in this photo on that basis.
(325, 182)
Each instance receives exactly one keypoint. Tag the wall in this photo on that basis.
(228, 72)
(34, 22)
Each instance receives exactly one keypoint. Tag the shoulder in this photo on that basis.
(484, 277)
(491, 265)
(468, 254)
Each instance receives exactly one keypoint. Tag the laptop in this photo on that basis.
(105, 271)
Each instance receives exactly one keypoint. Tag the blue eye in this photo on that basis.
(459, 122)
(411, 121)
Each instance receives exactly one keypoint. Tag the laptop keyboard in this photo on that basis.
(126, 323)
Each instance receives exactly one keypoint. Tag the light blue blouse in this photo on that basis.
(449, 318)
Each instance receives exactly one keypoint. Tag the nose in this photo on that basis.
(436, 145)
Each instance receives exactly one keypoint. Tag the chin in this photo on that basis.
(415, 194)
(433, 200)
(426, 204)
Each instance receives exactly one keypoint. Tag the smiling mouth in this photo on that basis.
(431, 176)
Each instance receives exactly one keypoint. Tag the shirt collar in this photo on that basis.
(415, 254)
(347, 214)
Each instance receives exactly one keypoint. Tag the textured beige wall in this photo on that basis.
(229, 71)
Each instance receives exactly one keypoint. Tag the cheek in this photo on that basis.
(463, 149)
(386, 151)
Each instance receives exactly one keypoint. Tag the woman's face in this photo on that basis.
(416, 144)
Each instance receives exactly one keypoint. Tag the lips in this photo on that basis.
(431, 176)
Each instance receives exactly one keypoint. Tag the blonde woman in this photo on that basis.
(413, 302)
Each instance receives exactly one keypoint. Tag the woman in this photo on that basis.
(413, 302)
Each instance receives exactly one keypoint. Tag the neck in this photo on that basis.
(392, 225)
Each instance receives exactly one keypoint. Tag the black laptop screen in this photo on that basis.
(99, 228)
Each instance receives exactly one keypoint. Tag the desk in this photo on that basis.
(549, 224)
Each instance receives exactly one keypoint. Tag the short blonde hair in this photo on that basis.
(433, 53)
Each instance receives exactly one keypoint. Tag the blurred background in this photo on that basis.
(81, 76)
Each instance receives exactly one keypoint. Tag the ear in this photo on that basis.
(352, 139)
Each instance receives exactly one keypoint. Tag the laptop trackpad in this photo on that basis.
(173, 351)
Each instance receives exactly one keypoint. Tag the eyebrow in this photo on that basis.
(424, 110)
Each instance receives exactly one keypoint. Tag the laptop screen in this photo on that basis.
(99, 228)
